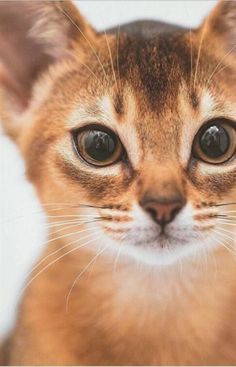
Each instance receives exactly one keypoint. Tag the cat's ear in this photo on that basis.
(34, 35)
(221, 25)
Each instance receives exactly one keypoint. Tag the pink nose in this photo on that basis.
(163, 212)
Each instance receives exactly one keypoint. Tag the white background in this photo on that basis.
(22, 233)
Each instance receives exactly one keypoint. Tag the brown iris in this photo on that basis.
(215, 143)
(98, 147)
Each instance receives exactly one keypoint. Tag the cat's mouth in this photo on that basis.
(162, 240)
(165, 248)
(165, 239)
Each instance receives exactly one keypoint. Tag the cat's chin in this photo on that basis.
(159, 254)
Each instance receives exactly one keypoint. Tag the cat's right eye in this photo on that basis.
(98, 146)
(215, 143)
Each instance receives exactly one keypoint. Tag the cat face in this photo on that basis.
(137, 129)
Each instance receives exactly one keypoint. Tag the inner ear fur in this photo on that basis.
(34, 35)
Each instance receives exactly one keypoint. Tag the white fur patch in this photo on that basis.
(142, 243)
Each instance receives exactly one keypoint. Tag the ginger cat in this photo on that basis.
(129, 137)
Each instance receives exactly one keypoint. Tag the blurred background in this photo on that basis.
(22, 233)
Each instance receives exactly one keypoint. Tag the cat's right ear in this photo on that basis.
(221, 26)
(33, 36)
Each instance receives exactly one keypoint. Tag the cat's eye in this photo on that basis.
(215, 143)
(99, 147)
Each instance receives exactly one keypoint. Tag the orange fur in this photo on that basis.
(118, 313)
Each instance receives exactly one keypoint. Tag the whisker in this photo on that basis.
(65, 206)
(80, 219)
(71, 221)
(71, 226)
(59, 237)
(64, 228)
(22, 217)
(117, 56)
(221, 69)
(81, 273)
(191, 52)
(228, 231)
(60, 208)
(89, 69)
(232, 248)
(229, 211)
(72, 215)
(231, 218)
(53, 262)
(218, 65)
(116, 259)
(78, 205)
(199, 53)
(118, 253)
(63, 247)
(224, 204)
(79, 222)
(227, 245)
(48, 209)
(112, 64)
(228, 248)
(191, 59)
(226, 234)
(229, 221)
(86, 39)
(62, 204)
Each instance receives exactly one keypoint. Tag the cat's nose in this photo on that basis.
(163, 211)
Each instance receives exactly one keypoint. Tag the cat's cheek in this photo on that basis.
(215, 181)
(109, 184)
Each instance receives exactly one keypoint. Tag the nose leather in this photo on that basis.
(163, 211)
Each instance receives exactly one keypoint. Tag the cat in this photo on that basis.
(129, 137)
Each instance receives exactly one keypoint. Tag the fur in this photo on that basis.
(120, 297)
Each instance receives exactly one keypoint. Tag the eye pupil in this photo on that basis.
(99, 145)
(214, 141)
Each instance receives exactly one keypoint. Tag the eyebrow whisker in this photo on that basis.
(86, 39)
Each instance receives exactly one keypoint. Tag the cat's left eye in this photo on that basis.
(215, 143)
(98, 146)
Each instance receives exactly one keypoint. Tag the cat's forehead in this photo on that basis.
(151, 80)
(155, 67)
(146, 72)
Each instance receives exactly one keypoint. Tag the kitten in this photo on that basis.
(129, 137)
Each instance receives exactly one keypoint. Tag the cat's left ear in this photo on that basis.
(221, 25)
(35, 35)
